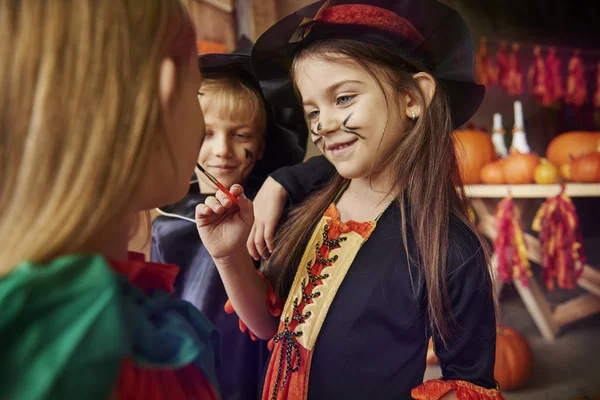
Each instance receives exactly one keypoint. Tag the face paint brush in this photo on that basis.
(218, 184)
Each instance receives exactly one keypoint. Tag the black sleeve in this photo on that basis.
(470, 350)
(300, 179)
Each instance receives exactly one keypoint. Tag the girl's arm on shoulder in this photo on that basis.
(287, 185)
(300, 180)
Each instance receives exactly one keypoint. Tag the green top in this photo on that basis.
(66, 327)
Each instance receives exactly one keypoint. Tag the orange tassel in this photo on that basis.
(509, 245)
(563, 255)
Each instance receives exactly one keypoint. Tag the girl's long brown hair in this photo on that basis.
(425, 170)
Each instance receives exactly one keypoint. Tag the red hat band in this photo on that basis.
(369, 17)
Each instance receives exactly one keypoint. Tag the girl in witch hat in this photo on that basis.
(383, 256)
(97, 98)
(245, 140)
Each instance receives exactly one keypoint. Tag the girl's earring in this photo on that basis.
(414, 116)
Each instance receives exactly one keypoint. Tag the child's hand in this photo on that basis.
(270, 202)
(223, 226)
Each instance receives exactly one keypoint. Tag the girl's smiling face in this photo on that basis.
(354, 120)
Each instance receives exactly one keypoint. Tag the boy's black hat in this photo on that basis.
(287, 134)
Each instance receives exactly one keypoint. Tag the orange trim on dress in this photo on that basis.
(288, 373)
(337, 227)
(436, 388)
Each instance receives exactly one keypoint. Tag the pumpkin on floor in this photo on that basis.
(514, 359)
(569, 145)
(473, 150)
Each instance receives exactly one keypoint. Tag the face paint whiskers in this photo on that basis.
(249, 156)
(350, 129)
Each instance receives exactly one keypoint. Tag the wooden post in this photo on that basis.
(214, 21)
(243, 17)
(538, 308)
(263, 16)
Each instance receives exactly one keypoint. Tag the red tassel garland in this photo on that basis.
(563, 256)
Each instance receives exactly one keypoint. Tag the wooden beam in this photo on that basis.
(223, 5)
(263, 16)
(243, 15)
(576, 309)
(590, 280)
(538, 308)
(213, 24)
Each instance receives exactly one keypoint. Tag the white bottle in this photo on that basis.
(498, 137)
(519, 140)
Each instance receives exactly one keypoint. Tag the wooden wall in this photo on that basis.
(286, 7)
(214, 21)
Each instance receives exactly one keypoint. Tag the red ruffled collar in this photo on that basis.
(146, 275)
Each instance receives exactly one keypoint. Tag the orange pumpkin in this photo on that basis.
(473, 150)
(570, 145)
(493, 173)
(519, 168)
(586, 168)
(514, 359)
(546, 173)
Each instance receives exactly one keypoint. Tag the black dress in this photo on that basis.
(373, 341)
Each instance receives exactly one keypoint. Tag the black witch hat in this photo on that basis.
(426, 33)
(287, 134)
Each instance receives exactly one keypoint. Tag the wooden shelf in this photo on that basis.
(532, 191)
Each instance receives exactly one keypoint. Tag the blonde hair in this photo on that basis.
(234, 99)
(79, 115)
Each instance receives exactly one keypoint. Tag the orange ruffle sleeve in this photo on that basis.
(436, 388)
(273, 305)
